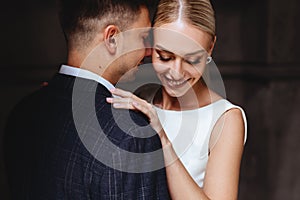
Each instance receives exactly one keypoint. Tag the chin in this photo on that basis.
(174, 93)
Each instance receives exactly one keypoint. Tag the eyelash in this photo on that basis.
(164, 59)
(197, 61)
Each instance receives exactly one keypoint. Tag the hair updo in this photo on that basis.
(198, 13)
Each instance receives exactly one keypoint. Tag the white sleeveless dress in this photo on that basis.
(190, 130)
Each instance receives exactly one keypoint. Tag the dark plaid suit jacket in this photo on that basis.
(46, 157)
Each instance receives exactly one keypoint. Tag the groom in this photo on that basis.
(64, 141)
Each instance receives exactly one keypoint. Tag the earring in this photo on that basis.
(209, 59)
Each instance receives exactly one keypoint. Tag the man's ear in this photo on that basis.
(110, 37)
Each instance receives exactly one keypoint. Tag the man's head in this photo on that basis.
(90, 23)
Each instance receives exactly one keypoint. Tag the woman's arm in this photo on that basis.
(222, 172)
(223, 167)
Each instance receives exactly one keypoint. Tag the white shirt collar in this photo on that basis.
(82, 73)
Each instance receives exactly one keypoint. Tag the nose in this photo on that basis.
(148, 49)
(177, 69)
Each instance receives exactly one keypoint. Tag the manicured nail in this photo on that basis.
(109, 100)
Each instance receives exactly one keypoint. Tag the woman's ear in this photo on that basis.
(212, 45)
(110, 37)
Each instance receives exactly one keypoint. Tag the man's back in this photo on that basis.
(47, 158)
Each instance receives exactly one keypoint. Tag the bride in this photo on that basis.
(202, 133)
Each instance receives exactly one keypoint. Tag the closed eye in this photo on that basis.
(164, 56)
(193, 61)
(165, 59)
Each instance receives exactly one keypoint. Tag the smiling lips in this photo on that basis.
(174, 83)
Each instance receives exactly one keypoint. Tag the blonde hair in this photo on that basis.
(199, 13)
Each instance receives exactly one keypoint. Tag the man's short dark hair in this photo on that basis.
(81, 19)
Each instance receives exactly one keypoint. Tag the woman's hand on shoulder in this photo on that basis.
(127, 100)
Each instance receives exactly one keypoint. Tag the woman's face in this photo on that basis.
(179, 56)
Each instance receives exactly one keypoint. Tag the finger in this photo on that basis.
(127, 95)
(109, 100)
(121, 103)
(118, 100)
(121, 93)
(150, 112)
(143, 108)
(124, 106)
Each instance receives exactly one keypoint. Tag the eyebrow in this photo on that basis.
(168, 51)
